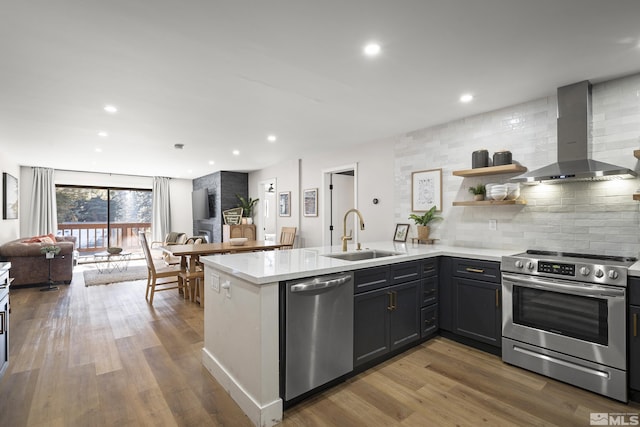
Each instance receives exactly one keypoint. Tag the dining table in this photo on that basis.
(190, 254)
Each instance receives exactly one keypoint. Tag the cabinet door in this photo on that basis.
(404, 318)
(634, 347)
(249, 231)
(4, 334)
(370, 325)
(477, 312)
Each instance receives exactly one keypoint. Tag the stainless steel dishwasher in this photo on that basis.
(318, 331)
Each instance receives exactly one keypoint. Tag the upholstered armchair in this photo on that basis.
(172, 238)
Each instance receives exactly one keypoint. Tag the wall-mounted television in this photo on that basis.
(200, 204)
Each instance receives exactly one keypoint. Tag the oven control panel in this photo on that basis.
(557, 268)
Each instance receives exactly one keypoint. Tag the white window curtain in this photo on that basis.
(161, 222)
(43, 218)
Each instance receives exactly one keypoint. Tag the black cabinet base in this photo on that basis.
(472, 343)
(634, 395)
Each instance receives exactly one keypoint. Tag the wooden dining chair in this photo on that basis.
(191, 280)
(287, 237)
(159, 279)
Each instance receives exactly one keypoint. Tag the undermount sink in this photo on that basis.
(361, 255)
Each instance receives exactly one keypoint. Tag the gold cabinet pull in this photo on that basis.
(497, 298)
(395, 299)
(474, 270)
(635, 324)
(2, 322)
(390, 305)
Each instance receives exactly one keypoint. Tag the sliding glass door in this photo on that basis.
(102, 217)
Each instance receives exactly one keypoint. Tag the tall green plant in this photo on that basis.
(247, 205)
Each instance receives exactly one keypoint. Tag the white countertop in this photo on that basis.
(275, 266)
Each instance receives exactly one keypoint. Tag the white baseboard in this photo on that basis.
(261, 416)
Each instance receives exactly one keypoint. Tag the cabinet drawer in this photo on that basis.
(634, 291)
(429, 267)
(429, 291)
(405, 272)
(370, 279)
(487, 271)
(429, 320)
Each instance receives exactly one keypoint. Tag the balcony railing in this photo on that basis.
(92, 237)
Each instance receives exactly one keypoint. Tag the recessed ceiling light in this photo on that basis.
(271, 138)
(467, 97)
(103, 134)
(372, 49)
(98, 150)
(190, 171)
(178, 146)
(211, 162)
(236, 152)
(111, 109)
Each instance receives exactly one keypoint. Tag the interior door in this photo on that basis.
(341, 199)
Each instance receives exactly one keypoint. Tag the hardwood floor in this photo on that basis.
(102, 356)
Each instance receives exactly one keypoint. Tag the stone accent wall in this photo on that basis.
(223, 186)
(594, 217)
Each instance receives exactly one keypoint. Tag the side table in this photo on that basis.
(108, 263)
(50, 257)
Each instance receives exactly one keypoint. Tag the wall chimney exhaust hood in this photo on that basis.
(574, 133)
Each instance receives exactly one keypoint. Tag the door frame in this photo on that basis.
(325, 196)
(263, 185)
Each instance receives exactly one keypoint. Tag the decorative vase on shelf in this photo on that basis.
(249, 220)
(478, 197)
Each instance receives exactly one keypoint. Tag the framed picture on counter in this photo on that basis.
(310, 202)
(284, 203)
(426, 190)
(402, 230)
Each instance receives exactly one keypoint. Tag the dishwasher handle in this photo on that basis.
(320, 283)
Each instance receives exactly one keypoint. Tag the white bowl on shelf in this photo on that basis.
(513, 191)
(238, 241)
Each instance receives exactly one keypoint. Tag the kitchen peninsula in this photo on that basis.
(241, 323)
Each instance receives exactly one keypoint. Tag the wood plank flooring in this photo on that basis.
(102, 356)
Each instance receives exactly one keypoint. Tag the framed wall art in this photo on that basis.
(426, 190)
(284, 203)
(402, 230)
(9, 196)
(310, 201)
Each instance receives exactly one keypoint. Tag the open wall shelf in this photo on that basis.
(490, 203)
(491, 170)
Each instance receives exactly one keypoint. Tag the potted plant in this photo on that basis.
(422, 222)
(247, 207)
(478, 192)
(50, 251)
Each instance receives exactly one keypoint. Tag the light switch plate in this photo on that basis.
(493, 224)
(215, 282)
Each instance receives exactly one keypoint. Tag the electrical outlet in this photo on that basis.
(215, 283)
(493, 224)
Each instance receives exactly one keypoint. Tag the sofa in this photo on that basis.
(29, 266)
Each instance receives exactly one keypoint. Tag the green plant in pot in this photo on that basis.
(247, 206)
(422, 222)
(478, 192)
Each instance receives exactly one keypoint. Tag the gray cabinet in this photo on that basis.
(429, 297)
(386, 310)
(634, 334)
(476, 292)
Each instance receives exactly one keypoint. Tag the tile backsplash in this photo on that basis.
(593, 217)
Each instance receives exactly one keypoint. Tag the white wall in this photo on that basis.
(180, 192)
(10, 228)
(375, 180)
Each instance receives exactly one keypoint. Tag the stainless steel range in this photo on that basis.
(564, 316)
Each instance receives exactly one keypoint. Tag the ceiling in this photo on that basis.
(219, 76)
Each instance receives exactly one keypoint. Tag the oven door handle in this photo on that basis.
(584, 289)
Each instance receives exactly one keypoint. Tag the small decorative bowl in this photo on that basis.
(238, 241)
(114, 250)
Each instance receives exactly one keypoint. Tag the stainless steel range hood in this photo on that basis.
(574, 128)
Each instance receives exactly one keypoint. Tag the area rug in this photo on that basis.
(134, 272)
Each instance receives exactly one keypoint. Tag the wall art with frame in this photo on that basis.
(426, 190)
(284, 203)
(310, 202)
(9, 196)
